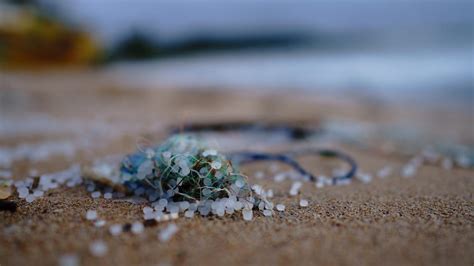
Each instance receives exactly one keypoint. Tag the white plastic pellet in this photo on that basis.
(280, 207)
(247, 214)
(409, 170)
(91, 215)
(98, 248)
(115, 229)
(95, 194)
(304, 203)
(259, 175)
(295, 188)
(189, 214)
(137, 228)
(267, 213)
(147, 210)
(108, 195)
(364, 177)
(447, 164)
(216, 165)
(384, 172)
(38, 193)
(69, 260)
(167, 233)
(99, 223)
(30, 198)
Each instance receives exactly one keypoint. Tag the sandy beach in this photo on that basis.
(426, 219)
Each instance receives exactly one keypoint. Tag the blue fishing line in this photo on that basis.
(289, 159)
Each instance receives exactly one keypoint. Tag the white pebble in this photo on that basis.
(304, 203)
(107, 195)
(166, 234)
(69, 260)
(98, 248)
(137, 228)
(91, 215)
(267, 213)
(247, 214)
(280, 207)
(95, 194)
(115, 229)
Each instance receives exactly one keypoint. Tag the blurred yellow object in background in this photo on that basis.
(32, 40)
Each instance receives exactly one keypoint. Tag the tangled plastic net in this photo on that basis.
(183, 168)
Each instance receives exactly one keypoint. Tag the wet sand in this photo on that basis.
(427, 219)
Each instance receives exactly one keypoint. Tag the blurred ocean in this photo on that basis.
(415, 51)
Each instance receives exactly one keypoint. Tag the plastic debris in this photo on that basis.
(280, 207)
(364, 177)
(100, 223)
(384, 172)
(295, 188)
(304, 203)
(69, 260)
(115, 229)
(247, 215)
(91, 215)
(167, 233)
(98, 248)
(6, 205)
(137, 228)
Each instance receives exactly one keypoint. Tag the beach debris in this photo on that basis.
(183, 175)
(6, 205)
(295, 188)
(96, 194)
(30, 198)
(182, 168)
(98, 248)
(409, 170)
(69, 260)
(115, 229)
(247, 214)
(304, 203)
(99, 223)
(386, 171)
(364, 177)
(167, 233)
(5, 191)
(137, 228)
(259, 174)
(91, 215)
(280, 207)
(447, 164)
